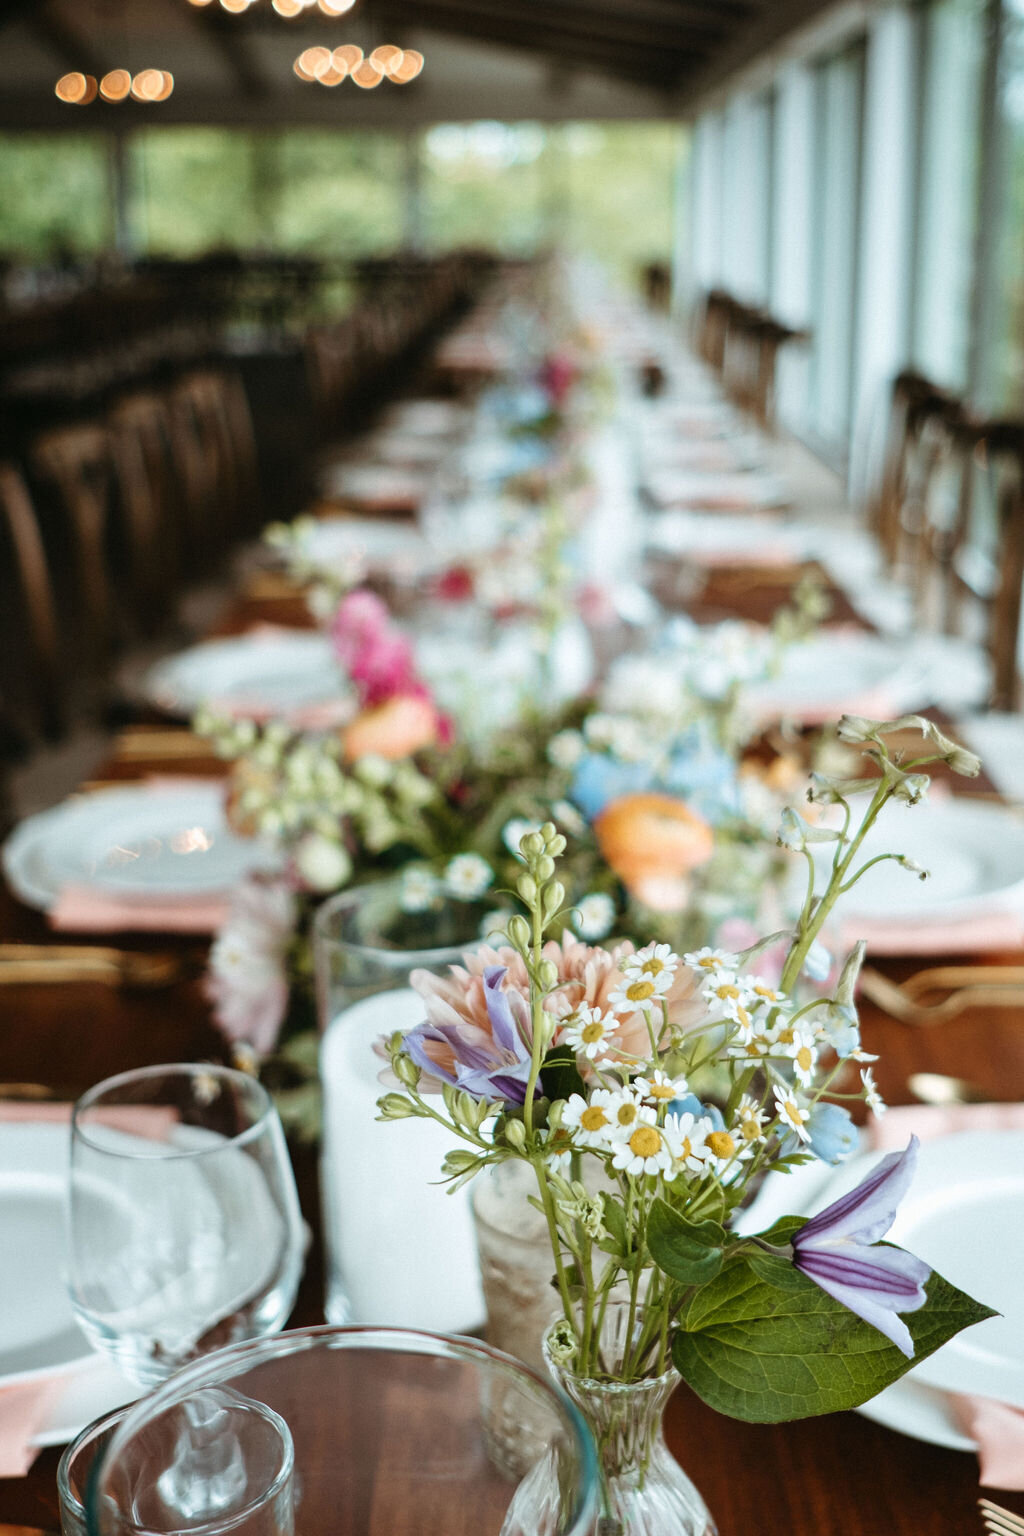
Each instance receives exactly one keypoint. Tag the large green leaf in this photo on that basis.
(689, 1251)
(767, 1353)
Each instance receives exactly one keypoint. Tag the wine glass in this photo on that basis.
(185, 1232)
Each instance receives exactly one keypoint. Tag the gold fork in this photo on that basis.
(1000, 1521)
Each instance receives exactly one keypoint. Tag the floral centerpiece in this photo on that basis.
(572, 1058)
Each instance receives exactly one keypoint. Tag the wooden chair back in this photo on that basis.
(75, 462)
(31, 684)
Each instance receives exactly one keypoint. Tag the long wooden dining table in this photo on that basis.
(839, 1473)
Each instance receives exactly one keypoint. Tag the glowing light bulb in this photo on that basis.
(409, 68)
(115, 85)
(349, 57)
(367, 75)
(288, 8)
(71, 88)
(388, 57)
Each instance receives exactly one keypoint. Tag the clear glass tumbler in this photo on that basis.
(392, 1432)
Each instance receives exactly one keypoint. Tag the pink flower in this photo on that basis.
(376, 655)
(458, 1034)
(247, 980)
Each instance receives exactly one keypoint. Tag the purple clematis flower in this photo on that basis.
(837, 1249)
(489, 1066)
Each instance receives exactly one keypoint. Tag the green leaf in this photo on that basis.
(559, 1075)
(769, 1353)
(618, 1242)
(689, 1251)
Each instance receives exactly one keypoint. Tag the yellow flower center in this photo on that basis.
(709, 963)
(593, 1118)
(754, 1047)
(805, 1058)
(749, 1129)
(626, 1114)
(726, 991)
(743, 1017)
(592, 1031)
(653, 966)
(640, 991)
(661, 1091)
(687, 1148)
(785, 1036)
(645, 1141)
(765, 991)
(792, 1112)
(721, 1144)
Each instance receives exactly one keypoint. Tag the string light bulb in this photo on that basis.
(386, 62)
(117, 85)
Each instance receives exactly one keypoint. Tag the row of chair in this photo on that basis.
(103, 523)
(949, 516)
(351, 361)
(742, 343)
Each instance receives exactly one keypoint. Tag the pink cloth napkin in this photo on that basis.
(993, 930)
(84, 909)
(997, 1428)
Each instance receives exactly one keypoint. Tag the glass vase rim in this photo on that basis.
(412, 1341)
(669, 1376)
(438, 954)
(251, 1085)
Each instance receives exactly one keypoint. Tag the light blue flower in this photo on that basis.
(833, 1135)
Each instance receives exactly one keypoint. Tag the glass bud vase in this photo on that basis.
(645, 1491)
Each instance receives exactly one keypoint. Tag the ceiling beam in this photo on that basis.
(758, 37)
(226, 35)
(63, 39)
(638, 62)
(642, 27)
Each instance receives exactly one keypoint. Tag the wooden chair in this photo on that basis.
(75, 464)
(895, 508)
(32, 695)
(1003, 449)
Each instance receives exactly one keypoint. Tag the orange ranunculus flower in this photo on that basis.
(398, 728)
(652, 841)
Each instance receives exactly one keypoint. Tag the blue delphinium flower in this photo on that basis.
(832, 1132)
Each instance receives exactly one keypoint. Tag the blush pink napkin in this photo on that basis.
(993, 930)
(997, 1428)
(84, 909)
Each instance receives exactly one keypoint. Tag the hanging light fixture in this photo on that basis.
(117, 85)
(386, 62)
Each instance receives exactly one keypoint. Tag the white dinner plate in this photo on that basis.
(330, 543)
(835, 673)
(962, 1214)
(255, 675)
(38, 1333)
(157, 840)
(973, 851)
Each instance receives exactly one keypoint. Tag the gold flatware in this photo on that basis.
(22, 964)
(989, 987)
(1003, 1522)
(158, 742)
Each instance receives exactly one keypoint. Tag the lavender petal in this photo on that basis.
(499, 1012)
(868, 1211)
(883, 1271)
(877, 1313)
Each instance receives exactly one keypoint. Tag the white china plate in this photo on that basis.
(255, 674)
(836, 673)
(38, 1333)
(330, 542)
(962, 1214)
(733, 491)
(143, 839)
(973, 851)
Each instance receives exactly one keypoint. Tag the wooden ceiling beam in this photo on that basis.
(64, 41)
(759, 36)
(572, 20)
(226, 34)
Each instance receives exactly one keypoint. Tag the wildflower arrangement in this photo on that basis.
(580, 1060)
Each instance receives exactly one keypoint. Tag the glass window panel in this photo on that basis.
(54, 195)
(954, 54)
(1004, 370)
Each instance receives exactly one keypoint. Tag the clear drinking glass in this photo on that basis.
(185, 1233)
(399, 1249)
(392, 1432)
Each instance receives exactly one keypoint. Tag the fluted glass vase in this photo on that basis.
(645, 1491)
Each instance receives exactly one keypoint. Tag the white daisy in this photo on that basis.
(565, 749)
(749, 1120)
(724, 990)
(760, 991)
(638, 990)
(803, 1053)
(711, 960)
(646, 1149)
(792, 1113)
(590, 1122)
(468, 876)
(652, 962)
(721, 1148)
(593, 916)
(588, 1030)
(755, 1043)
(687, 1134)
(660, 1088)
(872, 1098)
(624, 1108)
(420, 889)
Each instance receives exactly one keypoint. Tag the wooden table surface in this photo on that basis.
(838, 1473)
